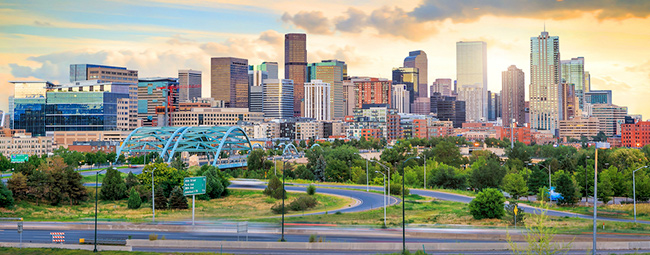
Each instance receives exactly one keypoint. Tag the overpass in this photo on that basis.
(224, 146)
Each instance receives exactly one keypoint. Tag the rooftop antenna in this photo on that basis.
(544, 26)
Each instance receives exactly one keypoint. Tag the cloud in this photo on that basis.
(271, 37)
(42, 24)
(395, 21)
(609, 83)
(642, 68)
(313, 22)
(471, 10)
(353, 23)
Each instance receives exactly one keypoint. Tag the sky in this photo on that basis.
(40, 39)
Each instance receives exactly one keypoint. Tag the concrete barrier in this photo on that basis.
(68, 246)
(372, 246)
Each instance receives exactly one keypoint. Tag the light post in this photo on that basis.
(284, 163)
(599, 145)
(387, 171)
(425, 172)
(153, 200)
(403, 206)
(96, 185)
(586, 196)
(634, 190)
(367, 183)
(384, 196)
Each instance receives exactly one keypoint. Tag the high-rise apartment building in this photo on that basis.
(635, 135)
(372, 91)
(157, 99)
(442, 86)
(229, 81)
(410, 77)
(567, 101)
(349, 96)
(295, 67)
(449, 109)
(545, 80)
(317, 100)
(578, 127)
(471, 71)
(418, 59)
(278, 98)
(83, 72)
(189, 85)
(400, 98)
(332, 72)
(421, 106)
(494, 106)
(573, 72)
(513, 96)
(256, 99)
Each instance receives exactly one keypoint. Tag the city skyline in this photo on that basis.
(41, 41)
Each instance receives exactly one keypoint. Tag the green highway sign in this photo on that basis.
(194, 186)
(19, 158)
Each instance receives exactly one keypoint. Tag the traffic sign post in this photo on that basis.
(515, 210)
(194, 186)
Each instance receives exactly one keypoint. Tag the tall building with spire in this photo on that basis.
(418, 59)
(545, 80)
(471, 71)
(295, 67)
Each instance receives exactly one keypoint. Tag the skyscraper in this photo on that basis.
(332, 72)
(513, 96)
(189, 85)
(29, 105)
(157, 96)
(573, 72)
(410, 77)
(471, 71)
(229, 81)
(442, 86)
(545, 79)
(278, 98)
(400, 98)
(317, 100)
(270, 67)
(494, 106)
(295, 67)
(567, 101)
(418, 59)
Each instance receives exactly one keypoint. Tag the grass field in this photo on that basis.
(39, 251)
(239, 205)
(624, 211)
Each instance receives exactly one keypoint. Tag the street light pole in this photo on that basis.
(96, 185)
(634, 190)
(384, 196)
(586, 196)
(403, 207)
(367, 183)
(283, 194)
(153, 199)
(595, 199)
(425, 172)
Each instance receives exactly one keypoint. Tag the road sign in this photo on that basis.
(515, 210)
(19, 158)
(194, 185)
(20, 227)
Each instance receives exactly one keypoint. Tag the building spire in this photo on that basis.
(544, 26)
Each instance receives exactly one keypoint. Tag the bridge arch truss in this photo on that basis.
(167, 141)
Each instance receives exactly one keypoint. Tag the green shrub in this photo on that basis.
(312, 238)
(6, 197)
(274, 188)
(302, 203)
(134, 199)
(311, 190)
(396, 188)
(153, 237)
(488, 204)
(277, 208)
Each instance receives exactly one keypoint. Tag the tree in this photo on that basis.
(302, 172)
(165, 177)
(177, 200)
(605, 188)
(160, 199)
(256, 160)
(74, 188)
(486, 174)
(311, 190)
(448, 177)
(336, 171)
(488, 204)
(18, 186)
(515, 184)
(600, 137)
(448, 153)
(38, 185)
(6, 197)
(538, 178)
(274, 188)
(642, 186)
(131, 181)
(518, 152)
(178, 164)
(134, 199)
(113, 186)
(566, 188)
(216, 183)
(319, 169)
